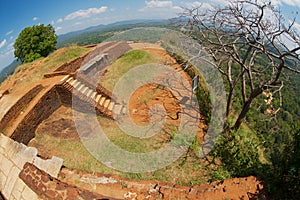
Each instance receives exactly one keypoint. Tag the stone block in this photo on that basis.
(6, 165)
(27, 155)
(15, 148)
(18, 158)
(5, 141)
(10, 182)
(29, 194)
(52, 166)
(16, 194)
(19, 185)
(3, 178)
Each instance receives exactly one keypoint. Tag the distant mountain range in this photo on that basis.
(8, 70)
(97, 34)
(102, 26)
(92, 35)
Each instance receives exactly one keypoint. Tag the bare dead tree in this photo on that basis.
(252, 46)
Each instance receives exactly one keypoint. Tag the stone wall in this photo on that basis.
(68, 96)
(17, 108)
(13, 156)
(48, 187)
(45, 106)
(67, 68)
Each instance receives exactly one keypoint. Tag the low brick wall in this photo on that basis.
(48, 187)
(46, 105)
(67, 68)
(17, 108)
(13, 156)
(53, 74)
(72, 66)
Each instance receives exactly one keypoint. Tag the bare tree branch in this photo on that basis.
(251, 44)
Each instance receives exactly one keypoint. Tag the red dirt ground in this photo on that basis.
(139, 110)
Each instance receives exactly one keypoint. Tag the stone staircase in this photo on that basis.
(105, 104)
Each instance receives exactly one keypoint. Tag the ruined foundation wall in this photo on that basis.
(41, 111)
(67, 68)
(13, 156)
(20, 104)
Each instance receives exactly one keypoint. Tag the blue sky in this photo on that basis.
(71, 15)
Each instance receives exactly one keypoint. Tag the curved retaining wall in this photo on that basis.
(17, 108)
(45, 106)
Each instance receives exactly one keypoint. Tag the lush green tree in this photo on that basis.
(35, 42)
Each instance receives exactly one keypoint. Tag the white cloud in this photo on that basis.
(158, 4)
(197, 4)
(6, 58)
(11, 37)
(9, 32)
(162, 6)
(52, 22)
(34, 19)
(3, 43)
(59, 20)
(86, 13)
(289, 2)
(58, 28)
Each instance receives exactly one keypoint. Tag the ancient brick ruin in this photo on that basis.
(25, 175)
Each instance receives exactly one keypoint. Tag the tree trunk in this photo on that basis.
(242, 114)
(229, 102)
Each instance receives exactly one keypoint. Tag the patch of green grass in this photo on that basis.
(36, 70)
(73, 153)
(128, 61)
(128, 142)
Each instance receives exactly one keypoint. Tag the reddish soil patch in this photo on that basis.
(117, 187)
(149, 95)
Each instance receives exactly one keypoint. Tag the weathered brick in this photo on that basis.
(51, 194)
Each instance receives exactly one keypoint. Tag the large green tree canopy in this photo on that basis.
(35, 42)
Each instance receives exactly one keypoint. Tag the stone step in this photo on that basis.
(80, 87)
(84, 90)
(117, 109)
(111, 105)
(65, 78)
(73, 82)
(102, 101)
(107, 102)
(93, 96)
(70, 79)
(90, 91)
(98, 98)
(77, 84)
